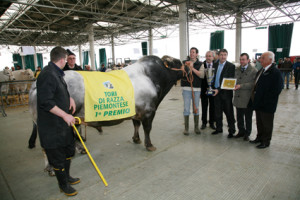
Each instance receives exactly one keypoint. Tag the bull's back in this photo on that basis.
(76, 89)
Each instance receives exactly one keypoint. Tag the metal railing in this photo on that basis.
(11, 97)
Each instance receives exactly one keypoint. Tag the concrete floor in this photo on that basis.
(183, 167)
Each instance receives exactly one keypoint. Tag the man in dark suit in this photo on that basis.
(264, 99)
(223, 98)
(206, 100)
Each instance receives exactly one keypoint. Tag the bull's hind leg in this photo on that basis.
(136, 137)
(147, 125)
(31, 142)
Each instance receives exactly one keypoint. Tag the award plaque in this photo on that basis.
(228, 83)
(209, 78)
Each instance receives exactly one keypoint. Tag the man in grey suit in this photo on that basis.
(245, 75)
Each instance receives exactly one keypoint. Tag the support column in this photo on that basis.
(150, 42)
(80, 56)
(23, 62)
(238, 37)
(35, 59)
(113, 49)
(92, 51)
(183, 36)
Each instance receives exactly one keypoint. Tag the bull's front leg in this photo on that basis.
(136, 137)
(147, 125)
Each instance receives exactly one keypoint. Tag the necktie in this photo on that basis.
(243, 69)
(217, 82)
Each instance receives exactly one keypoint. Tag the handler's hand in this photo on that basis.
(237, 87)
(69, 119)
(72, 105)
(216, 92)
(189, 64)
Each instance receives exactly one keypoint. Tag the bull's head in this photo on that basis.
(176, 65)
(9, 73)
(30, 74)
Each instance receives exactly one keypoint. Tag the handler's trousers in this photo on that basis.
(58, 156)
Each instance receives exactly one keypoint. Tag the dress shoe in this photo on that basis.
(263, 145)
(246, 138)
(239, 135)
(212, 126)
(230, 135)
(216, 132)
(203, 126)
(255, 141)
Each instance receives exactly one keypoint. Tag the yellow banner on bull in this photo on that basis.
(108, 95)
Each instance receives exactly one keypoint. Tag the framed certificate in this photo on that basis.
(228, 83)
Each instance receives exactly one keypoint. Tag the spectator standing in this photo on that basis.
(245, 75)
(264, 99)
(258, 64)
(87, 68)
(279, 65)
(71, 62)
(102, 68)
(296, 68)
(207, 101)
(37, 72)
(223, 98)
(187, 93)
(286, 68)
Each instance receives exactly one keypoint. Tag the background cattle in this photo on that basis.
(6, 75)
(22, 75)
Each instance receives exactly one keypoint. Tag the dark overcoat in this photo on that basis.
(52, 91)
(267, 90)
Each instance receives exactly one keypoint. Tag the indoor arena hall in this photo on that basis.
(201, 166)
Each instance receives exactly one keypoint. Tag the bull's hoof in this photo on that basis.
(152, 148)
(31, 146)
(50, 171)
(136, 140)
(99, 130)
(83, 151)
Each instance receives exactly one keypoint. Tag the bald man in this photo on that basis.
(264, 99)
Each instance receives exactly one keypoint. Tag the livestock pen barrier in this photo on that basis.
(14, 93)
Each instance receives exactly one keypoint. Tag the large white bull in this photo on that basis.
(151, 77)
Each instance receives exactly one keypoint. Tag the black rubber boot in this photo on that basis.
(64, 185)
(186, 125)
(196, 123)
(71, 180)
